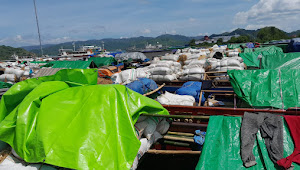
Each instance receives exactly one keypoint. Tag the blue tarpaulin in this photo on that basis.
(294, 45)
(191, 88)
(142, 85)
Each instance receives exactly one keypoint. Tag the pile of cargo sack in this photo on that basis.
(165, 70)
(149, 130)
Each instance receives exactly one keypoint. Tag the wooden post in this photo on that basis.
(201, 93)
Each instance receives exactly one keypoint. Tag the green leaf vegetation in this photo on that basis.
(6, 52)
(271, 33)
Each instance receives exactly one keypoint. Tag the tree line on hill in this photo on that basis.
(6, 52)
(261, 35)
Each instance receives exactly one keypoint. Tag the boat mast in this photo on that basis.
(38, 28)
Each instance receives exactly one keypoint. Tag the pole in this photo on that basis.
(38, 28)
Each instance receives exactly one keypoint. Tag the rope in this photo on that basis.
(279, 72)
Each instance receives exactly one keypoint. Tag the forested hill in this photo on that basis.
(112, 44)
(6, 52)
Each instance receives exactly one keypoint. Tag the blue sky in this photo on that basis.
(68, 20)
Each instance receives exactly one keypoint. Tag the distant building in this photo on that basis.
(206, 38)
(226, 38)
(215, 39)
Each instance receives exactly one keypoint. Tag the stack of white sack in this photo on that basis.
(196, 51)
(194, 71)
(170, 57)
(16, 71)
(148, 131)
(185, 50)
(232, 63)
(155, 60)
(175, 99)
(131, 55)
(221, 49)
(206, 51)
(27, 71)
(232, 53)
(165, 71)
(9, 78)
(227, 63)
(130, 75)
(194, 57)
(12, 75)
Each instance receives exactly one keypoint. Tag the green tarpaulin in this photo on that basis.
(103, 61)
(250, 57)
(271, 49)
(267, 88)
(4, 85)
(233, 46)
(71, 64)
(68, 121)
(281, 61)
(222, 146)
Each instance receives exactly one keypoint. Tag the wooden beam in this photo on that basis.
(175, 152)
(160, 87)
(167, 137)
(181, 134)
(219, 91)
(178, 116)
(4, 154)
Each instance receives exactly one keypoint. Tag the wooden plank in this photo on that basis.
(178, 116)
(4, 154)
(160, 87)
(175, 152)
(202, 110)
(181, 133)
(168, 137)
(219, 91)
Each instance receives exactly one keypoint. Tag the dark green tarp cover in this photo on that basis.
(281, 61)
(4, 85)
(103, 61)
(68, 121)
(221, 149)
(250, 57)
(271, 49)
(267, 88)
(79, 64)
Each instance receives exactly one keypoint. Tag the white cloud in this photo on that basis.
(192, 19)
(171, 32)
(146, 31)
(255, 26)
(284, 14)
(18, 38)
(27, 40)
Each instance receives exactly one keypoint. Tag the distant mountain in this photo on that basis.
(117, 44)
(294, 33)
(239, 31)
(112, 44)
(6, 52)
(253, 33)
(35, 47)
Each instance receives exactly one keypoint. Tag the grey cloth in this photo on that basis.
(271, 129)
